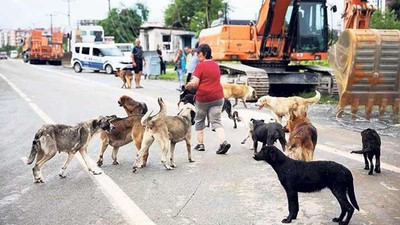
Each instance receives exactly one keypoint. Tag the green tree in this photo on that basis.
(124, 24)
(192, 15)
(395, 6)
(385, 20)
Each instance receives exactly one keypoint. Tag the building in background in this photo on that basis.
(379, 4)
(3, 38)
(12, 38)
(154, 35)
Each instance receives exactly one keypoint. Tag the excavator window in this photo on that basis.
(312, 24)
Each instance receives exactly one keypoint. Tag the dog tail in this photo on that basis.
(146, 118)
(352, 196)
(163, 109)
(314, 99)
(362, 151)
(34, 149)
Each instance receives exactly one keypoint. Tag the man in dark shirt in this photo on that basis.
(137, 62)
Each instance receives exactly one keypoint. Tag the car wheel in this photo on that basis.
(77, 67)
(25, 57)
(109, 69)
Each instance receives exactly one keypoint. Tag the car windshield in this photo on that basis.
(111, 52)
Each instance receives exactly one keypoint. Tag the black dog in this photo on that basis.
(187, 96)
(299, 176)
(267, 133)
(371, 147)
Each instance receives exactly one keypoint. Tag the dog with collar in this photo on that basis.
(167, 130)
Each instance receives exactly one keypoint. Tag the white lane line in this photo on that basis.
(355, 157)
(118, 198)
(248, 114)
(389, 187)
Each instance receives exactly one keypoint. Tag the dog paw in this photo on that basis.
(115, 162)
(336, 220)
(242, 142)
(39, 180)
(168, 168)
(377, 170)
(286, 220)
(100, 163)
(366, 168)
(62, 175)
(343, 223)
(173, 165)
(370, 173)
(134, 170)
(191, 160)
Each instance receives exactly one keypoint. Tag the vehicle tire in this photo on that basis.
(77, 68)
(96, 71)
(25, 57)
(109, 69)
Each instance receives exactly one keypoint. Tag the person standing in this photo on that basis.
(162, 63)
(209, 98)
(180, 67)
(192, 63)
(137, 62)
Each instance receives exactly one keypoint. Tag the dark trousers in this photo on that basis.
(189, 77)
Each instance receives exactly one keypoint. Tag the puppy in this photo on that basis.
(167, 130)
(126, 130)
(298, 176)
(267, 133)
(131, 106)
(126, 77)
(238, 91)
(53, 138)
(371, 147)
(281, 106)
(302, 137)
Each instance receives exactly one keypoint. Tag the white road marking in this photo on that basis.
(389, 187)
(118, 198)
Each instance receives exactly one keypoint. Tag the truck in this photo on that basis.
(41, 49)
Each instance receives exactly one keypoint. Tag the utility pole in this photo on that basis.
(69, 11)
(51, 21)
(109, 5)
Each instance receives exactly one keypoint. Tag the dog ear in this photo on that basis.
(272, 154)
(144, 108)
(95, 123)
(262, 121)
(113, 116)
(252, 120)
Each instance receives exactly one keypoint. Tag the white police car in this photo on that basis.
(98, 57)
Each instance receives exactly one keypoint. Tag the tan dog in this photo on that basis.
(167, 130)
(126, 130)
(126, 77)
(282, 106)
(238, 91)
(131, 106)
(302, 137)
(53, 138)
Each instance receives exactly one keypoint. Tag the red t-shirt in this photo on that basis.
(210, 88)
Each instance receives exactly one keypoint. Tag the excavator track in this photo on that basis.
(247, 75)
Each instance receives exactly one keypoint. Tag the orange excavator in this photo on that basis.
(286, 33)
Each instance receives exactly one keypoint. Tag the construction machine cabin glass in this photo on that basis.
(312, 27)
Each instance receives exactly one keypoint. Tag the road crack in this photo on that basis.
(180, 210)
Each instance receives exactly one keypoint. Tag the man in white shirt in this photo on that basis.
(193, 62)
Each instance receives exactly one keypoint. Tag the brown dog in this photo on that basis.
(126, 77)
(131, 106)
(302, 137)
(126, 130)
(238, 91)
(282, 106)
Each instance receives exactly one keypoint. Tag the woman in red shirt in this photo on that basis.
(209, 98)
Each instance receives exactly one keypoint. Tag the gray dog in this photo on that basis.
(51, 138)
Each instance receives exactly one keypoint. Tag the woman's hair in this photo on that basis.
(206, 50)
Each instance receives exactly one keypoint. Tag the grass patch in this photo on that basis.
(316, 62)
(170, 76)
(325, 99)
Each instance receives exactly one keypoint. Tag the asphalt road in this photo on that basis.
(216, 189)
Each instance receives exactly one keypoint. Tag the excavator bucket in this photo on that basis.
(366, 63)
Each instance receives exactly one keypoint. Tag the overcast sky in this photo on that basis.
(35, 13)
